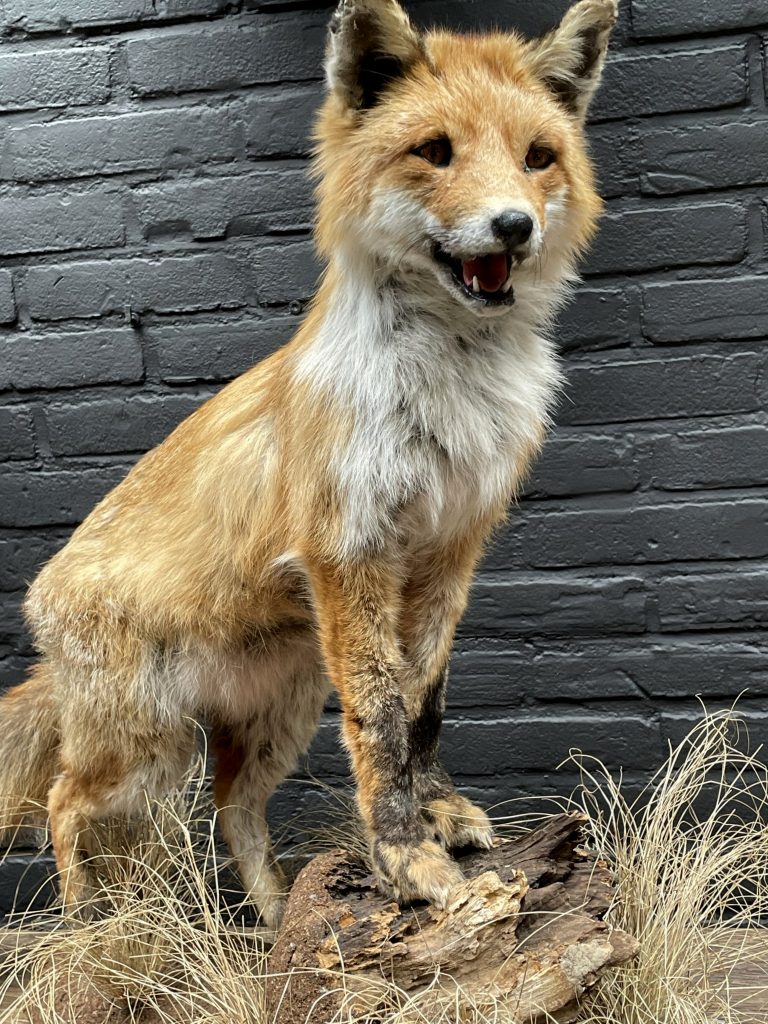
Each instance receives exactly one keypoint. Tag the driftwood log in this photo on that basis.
(525, 927)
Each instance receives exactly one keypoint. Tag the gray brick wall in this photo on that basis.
(154, 216)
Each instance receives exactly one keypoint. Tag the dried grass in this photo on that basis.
(691, 858)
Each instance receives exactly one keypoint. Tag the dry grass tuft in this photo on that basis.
(691, 859)
(691, 856)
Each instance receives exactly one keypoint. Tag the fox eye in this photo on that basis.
(436, 151)
(538, 158)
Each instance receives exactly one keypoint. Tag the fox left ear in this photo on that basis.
(570, 58)
(370, 44)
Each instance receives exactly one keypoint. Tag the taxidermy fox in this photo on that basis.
(318, 522)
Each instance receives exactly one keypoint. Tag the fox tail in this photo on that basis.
(29, 745)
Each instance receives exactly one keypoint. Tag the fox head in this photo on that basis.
(459, 160)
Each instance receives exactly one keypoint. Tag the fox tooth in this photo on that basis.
(505, 287)
(475, 285)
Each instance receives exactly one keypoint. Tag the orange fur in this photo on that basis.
(322, 516)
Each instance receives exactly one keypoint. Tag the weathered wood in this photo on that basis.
(525, 926)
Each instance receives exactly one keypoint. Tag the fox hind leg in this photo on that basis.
(106, 772)
(251, 760)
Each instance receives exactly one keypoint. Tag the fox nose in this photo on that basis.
(513, 227)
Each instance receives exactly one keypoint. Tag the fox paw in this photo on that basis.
(457, 822)
(417, 871)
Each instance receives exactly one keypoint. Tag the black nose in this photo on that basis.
(512, 227)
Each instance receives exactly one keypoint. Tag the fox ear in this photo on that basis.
(570, 58)
(370, 43)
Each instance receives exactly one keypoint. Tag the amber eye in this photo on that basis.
(436, 151)
(538, 158)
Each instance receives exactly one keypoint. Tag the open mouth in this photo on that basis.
(486, 279)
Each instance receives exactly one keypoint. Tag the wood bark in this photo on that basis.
(526, 927)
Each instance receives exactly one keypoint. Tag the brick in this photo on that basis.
(13, 670)
(553, 604)
(625, 532)
(512, 673)
(7, 298)
(263, 201)
(737, 598)
(54, 497)
(675, 311)
(71, 359)
(217, 280)
(531, 741)
(147, 140)
(250, 52)
(654, 18)
(54, 78)
(584, 464)
(17, 433)
(633, 388)
(90, 220)
(501, 745)
(647, 239)
(698, 157)
(658, 83)
(110, 425)
(218, 351)
(59, 15)
(507, 673)
(678, 725)
(706, 456)
(286, 272)
(615, 155)
(23, 553)
(12, 626)
(279, 121)
(597, 318)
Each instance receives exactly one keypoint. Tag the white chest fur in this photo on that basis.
(445, 406)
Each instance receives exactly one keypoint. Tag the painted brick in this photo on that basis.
(55, 497)
(625, 532)
(647, 239)
(54, 78)
(585, 464)
(657, 83)
(110, 425)
(597, 318)
(286, 272)
(653, 18)
(250, 52)
(71, 359)
(549, 604)
(707, 456)
(58, 15)
(152, 139)
(697, 157)
(500, 745)
(17, 433)
(279, 121)
(510, 673)
(698, 310)
(615, 151)
(217, 351)
(7, 298)
(166, 285)
(635, 388)
(23, 553)
(91, 220)
(714, 600)
(264, 201)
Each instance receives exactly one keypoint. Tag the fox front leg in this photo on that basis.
(357, 610)
(433, 601)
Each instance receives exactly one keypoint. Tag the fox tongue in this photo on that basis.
(490, 271)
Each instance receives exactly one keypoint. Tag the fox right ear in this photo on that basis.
(370, 44)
